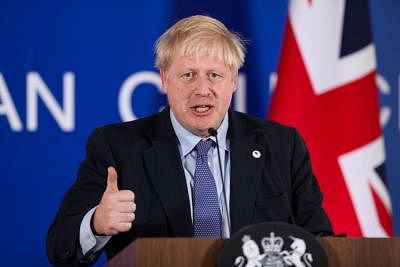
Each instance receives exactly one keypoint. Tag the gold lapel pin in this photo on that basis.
(256, 154)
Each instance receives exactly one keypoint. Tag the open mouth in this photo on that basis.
(202, 108)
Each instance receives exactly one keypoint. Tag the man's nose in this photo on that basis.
(203, 86)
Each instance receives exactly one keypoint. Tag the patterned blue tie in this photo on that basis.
(207, 215)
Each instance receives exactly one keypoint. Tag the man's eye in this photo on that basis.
(214, 75)
(188, 75)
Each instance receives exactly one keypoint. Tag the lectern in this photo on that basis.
(203, 252)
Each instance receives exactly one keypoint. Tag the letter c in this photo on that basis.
(127, 88)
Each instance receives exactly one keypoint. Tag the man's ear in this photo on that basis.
(163, 76)
(235, 77)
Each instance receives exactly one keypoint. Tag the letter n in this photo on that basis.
(65, 116)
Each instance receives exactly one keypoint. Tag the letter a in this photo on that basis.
(7, 107)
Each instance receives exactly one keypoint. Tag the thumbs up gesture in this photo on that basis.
(116, 210)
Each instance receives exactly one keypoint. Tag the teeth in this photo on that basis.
(202, 108)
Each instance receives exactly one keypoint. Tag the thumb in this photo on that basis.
(112, 182)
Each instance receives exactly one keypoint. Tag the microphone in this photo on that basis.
(275, 165)
(214, 133)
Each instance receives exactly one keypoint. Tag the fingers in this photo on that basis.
(119, 222)
(121, 201)
(125, 217)
(126, 207)
(112, 181)
(117, 218)
(125, 196)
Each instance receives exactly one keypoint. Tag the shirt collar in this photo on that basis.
(189, 140)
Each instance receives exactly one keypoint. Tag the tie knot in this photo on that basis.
(203, 146)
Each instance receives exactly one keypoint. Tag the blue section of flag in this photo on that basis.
(356, 27)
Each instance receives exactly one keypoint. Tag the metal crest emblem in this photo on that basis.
(272, 244)
(273, 255)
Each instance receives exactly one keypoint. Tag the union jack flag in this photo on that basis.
(326, 89)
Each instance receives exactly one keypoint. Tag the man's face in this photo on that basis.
(199, 89)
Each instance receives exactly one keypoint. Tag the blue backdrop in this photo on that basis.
(67, 67)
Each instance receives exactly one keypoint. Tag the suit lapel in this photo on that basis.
(246, 171)
(165, 170)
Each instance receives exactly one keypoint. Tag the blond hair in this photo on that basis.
(197, 34)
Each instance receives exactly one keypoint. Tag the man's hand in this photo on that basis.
(116, 210)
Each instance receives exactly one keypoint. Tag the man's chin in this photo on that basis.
(201, 131)
(200, 126)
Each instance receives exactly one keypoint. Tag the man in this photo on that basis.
(160, 176)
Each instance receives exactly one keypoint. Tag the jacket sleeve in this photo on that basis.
(62, 244)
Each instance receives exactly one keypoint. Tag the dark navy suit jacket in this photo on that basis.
(146, 156)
